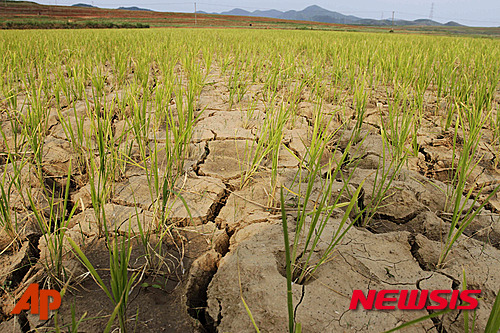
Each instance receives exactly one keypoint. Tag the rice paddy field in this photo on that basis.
(197, 180)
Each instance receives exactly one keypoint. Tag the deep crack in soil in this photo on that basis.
(203, 271)
(201, 274)
(414, 251)
(201, 161)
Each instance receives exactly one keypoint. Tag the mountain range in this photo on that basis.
(314, 13)
(318, 14)
(85, 5)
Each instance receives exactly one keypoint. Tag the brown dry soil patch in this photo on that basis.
(233, 247)
(153, 307)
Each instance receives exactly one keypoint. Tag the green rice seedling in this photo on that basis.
(162, 175)
(471, 122)
(101, 169)
(466, 159)
(467, 324)
(18, 135)
(152, 252)
(75, 324)
(421, 80)
(207, 59)
(327, 202)
(293, 327)
(63, 87)
(267, 145)
(224, 62)
(248, 115)
(8, 219)
(460, 92)
(288, 265)
(247, 309)
(271, 84)
(11, 181)
(311, 234)
(10, 93)
(484, 90)
(439, 81)
(400, 123)
(153, 173)
(276, 126)
(35, 125)
(495, 123)
(99, 193)
(98, 83)
(360, 100)
(141, 123)
(417, 121)
(293, 100)
(162, 181)
(300, 273)
(163, 97)
(121, 282)
(76, 136)
(237, 85)
(493, 324)
(385, 174)
(179, 126)
(194, 77)
(120, 67)
(78, 78)
(54, 229)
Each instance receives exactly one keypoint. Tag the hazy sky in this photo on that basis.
(469, 12)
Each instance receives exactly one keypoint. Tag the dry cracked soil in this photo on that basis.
(229, 245)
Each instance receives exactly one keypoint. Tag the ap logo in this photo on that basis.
(40, 303)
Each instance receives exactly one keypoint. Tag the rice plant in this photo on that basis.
(308, 233)
(462, 211)
(121, 282)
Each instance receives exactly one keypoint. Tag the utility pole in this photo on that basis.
(195, 20)
(432, 11)
(393, 20)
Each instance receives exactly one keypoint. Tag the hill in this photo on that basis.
(318, 14)
(135, 8)
(84, 5)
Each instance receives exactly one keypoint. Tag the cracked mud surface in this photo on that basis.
(225, 230)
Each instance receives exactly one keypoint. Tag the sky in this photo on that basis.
(484, 13)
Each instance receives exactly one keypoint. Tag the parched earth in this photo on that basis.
(229, 246)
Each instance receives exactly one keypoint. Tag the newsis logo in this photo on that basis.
(414, 299)
(41, 301)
